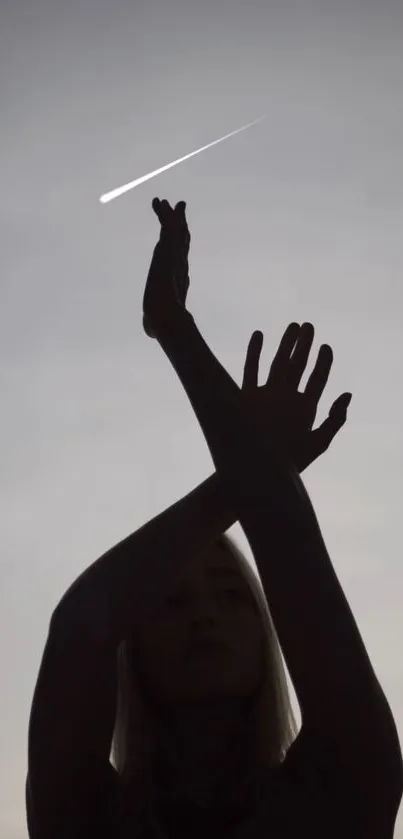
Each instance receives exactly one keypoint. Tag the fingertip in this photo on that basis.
(257, 335)
(343, 402)
(338, 411)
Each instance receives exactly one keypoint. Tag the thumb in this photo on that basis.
(324, 435)
(156, 205)
(341, 404)
(319, 440)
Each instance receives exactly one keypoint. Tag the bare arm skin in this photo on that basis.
(340, 697)
(133, 578)
(73, 709)
(74, 702)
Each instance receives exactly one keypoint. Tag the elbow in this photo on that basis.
(397, 772)
(388, 761)
(393, 751)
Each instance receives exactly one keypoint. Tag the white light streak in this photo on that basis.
(109, 196)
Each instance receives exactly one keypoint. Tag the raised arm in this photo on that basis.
(72, 717)
(340, 697)
(73, 710)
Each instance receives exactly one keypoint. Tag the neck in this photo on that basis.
(199, 737)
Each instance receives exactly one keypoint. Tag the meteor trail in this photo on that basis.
(109, 196)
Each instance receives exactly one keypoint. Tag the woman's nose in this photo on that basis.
(204, 611)
(203, 620)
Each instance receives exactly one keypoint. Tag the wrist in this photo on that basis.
(173, 328)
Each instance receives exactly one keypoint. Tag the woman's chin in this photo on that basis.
(209, 685)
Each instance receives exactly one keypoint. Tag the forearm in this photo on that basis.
(236, 445)
(133, 577)
(320, 640)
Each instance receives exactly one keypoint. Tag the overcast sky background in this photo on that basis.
(300, 217)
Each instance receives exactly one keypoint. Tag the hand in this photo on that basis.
(168, 277)
(279, 407)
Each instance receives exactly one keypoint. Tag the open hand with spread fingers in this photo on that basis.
(278, 407)
(287, 413)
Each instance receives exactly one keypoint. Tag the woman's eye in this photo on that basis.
(232, 592)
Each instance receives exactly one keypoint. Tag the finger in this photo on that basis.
(158, 209)
(165, 214)
(323, 436)
(320, 374)
(251, 366)
(340, 405)
(180, 213)
(180, 238)
(285, 348)
(300, 355)
(173, 224)
(182, 235)
(166, 209)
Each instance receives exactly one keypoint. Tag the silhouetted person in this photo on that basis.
(165, 653)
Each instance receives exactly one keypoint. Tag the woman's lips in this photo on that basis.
(205, 647)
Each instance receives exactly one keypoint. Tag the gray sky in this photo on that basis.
(297, 218)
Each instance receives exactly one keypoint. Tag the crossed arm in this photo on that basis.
(340, 698)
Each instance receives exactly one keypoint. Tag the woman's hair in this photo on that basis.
(270, 727)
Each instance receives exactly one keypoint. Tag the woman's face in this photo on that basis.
(206, 641)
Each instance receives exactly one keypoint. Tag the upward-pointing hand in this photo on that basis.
(280, 409)
(168, 277)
